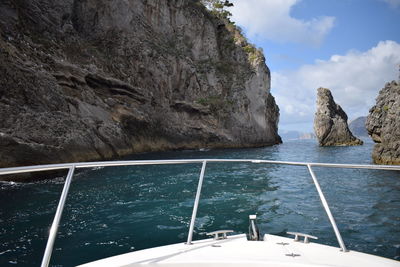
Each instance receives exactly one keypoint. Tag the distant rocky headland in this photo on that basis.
(330, 123)
(358, 128)
(296, 135)
(383, 125)
(93, 80)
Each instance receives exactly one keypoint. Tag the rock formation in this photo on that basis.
(383, 125)
(330, 123)
(97, 79)
(357, 126)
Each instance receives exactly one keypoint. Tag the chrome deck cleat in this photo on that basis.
(217, 234)
(306, 237)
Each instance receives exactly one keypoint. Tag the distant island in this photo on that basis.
(287, 135)
(357, 126)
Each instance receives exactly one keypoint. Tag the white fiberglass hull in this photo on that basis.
(237, 251)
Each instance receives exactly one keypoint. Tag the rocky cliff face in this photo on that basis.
(330, 123)
(383, 125)
(96, 79)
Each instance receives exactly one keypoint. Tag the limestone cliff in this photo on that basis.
(330, 123)
(383, 125)
(96, 79)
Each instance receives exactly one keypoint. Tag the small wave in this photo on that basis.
(107, 243)
(8, 182)
(4, 185)
(56, 180)
(166, 227)
(180, 219)
(4, 252)
(202, 222)
(240, 210)
(234, 222)
(123, 202)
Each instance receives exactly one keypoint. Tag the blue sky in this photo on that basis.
(349, 46)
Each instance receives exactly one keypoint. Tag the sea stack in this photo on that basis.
(383, 125)
(330, 123)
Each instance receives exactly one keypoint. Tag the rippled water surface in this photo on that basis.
(115, 210)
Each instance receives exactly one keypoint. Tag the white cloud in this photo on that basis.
(271, 19)
(354, 79)
(392, 3)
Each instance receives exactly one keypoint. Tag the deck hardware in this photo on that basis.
(292, 255)
(254, 233)
(282, 243)
(217, 234)
(216, 246)
(306, 237)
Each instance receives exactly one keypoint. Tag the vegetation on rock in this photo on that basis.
(218, 8)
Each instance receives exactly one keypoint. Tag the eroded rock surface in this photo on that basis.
(330, 123)
(383, 125)
(96, 79)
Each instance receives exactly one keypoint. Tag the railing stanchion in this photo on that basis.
(53, 230)
(327, 209)
(196, 204)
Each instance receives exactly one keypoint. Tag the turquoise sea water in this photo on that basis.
(116, 210)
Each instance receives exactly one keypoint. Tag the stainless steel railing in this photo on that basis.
(196, 203)
(57, 218)
(327, 210)
(72, 166)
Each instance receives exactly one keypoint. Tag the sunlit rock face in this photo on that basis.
(383, 125)
(96, 79)
(330, 123)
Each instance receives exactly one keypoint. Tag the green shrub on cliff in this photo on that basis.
(252, 52)
(249, 49)
(217, 8)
